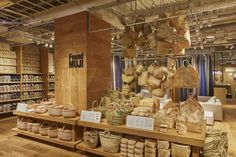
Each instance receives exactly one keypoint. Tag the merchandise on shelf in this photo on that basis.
(29, 78)
(7, 107)
(10, 88)
(9, 97)
(30, 59)
(32, 86)
(31, 95)
(9, 78)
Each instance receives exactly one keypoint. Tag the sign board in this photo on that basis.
(22, 107)
(90, 116)
(76, 60)
(140, 122)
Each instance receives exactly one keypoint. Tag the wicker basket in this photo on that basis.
(91, 138)
(114, 118)
(110, 142)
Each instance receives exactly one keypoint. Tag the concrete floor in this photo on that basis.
(17, 146)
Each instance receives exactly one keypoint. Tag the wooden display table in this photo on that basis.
(195, 140)
(76, 134)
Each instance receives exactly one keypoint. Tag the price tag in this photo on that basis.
(91, 116)
(140, 122)
(22, 107)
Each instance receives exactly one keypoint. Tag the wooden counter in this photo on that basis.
(45, 116)
(193, 139)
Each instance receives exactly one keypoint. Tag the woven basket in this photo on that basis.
(114, 119)
(91, 138)
(110, 142)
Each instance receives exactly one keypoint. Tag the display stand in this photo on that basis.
(76, 135)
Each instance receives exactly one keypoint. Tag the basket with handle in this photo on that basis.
(44, 129)
(110, 142)
(91, 138)
(99, 107)
(115, 116)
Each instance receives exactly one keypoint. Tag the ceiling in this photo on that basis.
(211, 22)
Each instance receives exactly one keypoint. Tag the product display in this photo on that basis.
(140, 78)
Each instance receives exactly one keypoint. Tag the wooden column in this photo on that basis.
(80, 86)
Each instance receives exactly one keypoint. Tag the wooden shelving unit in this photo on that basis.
(76, 135)
(10, 83)
(12, 100)
(10, 92)
(81, 146)
(70, 144)
(45, 116)
(195, 140)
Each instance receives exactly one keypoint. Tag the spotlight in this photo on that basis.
(46, 44)
(50, 45)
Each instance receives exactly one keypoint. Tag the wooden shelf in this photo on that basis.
(51, 81)
(32, 81)
(8, 65)
(10, 92)
(83, 147)
(45, 116)
(32, 73)
(9, 82)
(71, 144)
(9, 74)
(32, 98)
(33, 90)
(6, 112)
(193, 139)
(13, 100)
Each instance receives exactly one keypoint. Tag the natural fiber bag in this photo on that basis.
(140, 41)
(160, 72)
(150, 143)
(153, 82)
(193, 113)
(129, 52)
(152, 39)
(142, 79)
(139, 27)
(139, 68)
(178, 150)
(129, 71)
(126, 40)
(163, 144)
(186, 77)
(133, 34)
(110, 142)
(158, 92)
(163, 152)
(151, 68)
(147, 30)
(163, 48)
(91, 138)
(177, 22)
(127, 79)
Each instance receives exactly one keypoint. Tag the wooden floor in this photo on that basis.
(17, 146)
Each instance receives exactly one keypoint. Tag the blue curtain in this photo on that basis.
(118, 66)
(203, 86)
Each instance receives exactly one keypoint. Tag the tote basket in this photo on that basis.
(114, 118)
(110, 142)
(91, 138)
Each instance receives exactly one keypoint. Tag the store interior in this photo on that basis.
(118, 78)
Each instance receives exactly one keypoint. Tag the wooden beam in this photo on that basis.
(69, 9)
